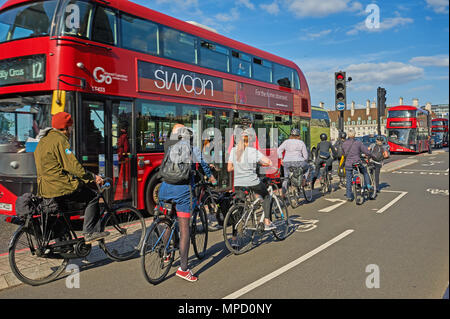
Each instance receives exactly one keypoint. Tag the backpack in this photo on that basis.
(377, 153)
(177, 164)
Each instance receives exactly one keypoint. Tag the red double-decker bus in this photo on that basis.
(127, 74)
(407, 129)
(439, 130)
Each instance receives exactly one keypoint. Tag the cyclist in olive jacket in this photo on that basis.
(62, 177)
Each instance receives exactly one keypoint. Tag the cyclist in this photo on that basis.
(62, 177)
(181, 194)
(377, 154)
(295, 155)
(340, 155)
(323, 155)
(243, 160)
(353, 149)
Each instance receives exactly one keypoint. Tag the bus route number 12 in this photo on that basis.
(37, 71)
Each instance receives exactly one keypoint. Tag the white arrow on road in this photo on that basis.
(330, 208)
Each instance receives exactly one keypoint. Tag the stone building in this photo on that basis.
(363, 121)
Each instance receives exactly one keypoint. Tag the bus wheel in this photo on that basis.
(151, 193)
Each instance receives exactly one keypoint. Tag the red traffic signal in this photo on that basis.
(340, 77)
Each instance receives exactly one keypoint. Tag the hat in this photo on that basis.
(62, 120)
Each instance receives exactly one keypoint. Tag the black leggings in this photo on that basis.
(261, 190)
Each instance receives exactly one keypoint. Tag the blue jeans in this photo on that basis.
(349, 177)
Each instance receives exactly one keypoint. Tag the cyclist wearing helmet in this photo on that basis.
(243, 160)
(295, 155)
(181, 195)
(340, 155)
(323, 155)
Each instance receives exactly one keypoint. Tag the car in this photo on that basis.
(437, 141)
(368, 140)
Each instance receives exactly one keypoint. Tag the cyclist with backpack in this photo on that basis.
(323, 155)
(378, 153)
(295, 155)
(177, 175)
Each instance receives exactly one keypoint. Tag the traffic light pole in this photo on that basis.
(341, 121)
(381, 106)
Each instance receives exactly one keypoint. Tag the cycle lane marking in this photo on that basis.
(392, 202)
(287, 267)
(333, 207)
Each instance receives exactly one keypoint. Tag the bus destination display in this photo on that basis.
(28, 69)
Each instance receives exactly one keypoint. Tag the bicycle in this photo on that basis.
(325, 179)
(208, 199)
(298, 184)
(42, 246)
(245, 219)
(162, 241)
(362, 192)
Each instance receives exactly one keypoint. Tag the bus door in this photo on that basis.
(105, 148)
(213, 130)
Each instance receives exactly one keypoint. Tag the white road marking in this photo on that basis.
(402, 193)
(330, 208)
(287, 267)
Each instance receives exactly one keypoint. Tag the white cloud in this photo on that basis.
(246, 3)
(322, 8)
(271, 8)
(233, 15)
(384, 73)
(439, 6)
(436, 60)
(314, 36)
(386, 24)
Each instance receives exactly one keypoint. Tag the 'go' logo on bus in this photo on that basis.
(101, 76)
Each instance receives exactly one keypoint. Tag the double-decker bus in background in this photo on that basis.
(320, 123)
(408, 129)
(127, 74)
(439, 130)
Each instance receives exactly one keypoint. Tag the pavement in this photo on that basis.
(8, 280)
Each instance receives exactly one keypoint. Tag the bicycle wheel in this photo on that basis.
(280, 218)
(32, 264)
(157, 253)
(199, 232)
(373, 191)
(293, 196)
(238, 229)
(127, 231)
(307, 192)
(209, 204)
(358, 191)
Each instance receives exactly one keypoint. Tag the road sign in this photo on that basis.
(340, 106)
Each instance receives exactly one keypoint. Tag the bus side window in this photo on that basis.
(104, 29)
(139, 35)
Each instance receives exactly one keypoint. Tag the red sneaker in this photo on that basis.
(187, 275)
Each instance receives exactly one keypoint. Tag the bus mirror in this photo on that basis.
(58, 101)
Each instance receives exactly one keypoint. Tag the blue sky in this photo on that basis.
(408, 54)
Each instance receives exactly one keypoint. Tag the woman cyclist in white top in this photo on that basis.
(243, 160)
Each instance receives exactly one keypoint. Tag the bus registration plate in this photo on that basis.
(4, 206)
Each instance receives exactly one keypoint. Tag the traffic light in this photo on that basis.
(340, 91)
(381, 96)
